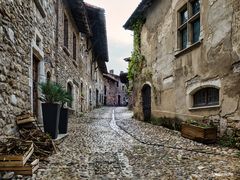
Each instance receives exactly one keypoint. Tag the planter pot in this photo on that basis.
(51, 114)
(205, 135)
(63, 121)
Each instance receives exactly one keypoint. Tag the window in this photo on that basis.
(189, 24)
(122, 88)
(74, 46)
(206, 97)
(65, 31)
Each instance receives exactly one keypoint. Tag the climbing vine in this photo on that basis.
(137, 58)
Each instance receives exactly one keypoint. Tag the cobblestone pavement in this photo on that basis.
(108, 144)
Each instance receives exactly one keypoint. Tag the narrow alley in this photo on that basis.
(108, 144)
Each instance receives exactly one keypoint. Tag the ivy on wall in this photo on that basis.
(137, 58)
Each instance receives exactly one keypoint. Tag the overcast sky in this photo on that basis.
(119, 40)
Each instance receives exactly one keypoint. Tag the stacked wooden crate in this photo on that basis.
(16, 159)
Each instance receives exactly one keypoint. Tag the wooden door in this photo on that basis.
(146, 102)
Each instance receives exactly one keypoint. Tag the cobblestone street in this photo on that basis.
(108, 144)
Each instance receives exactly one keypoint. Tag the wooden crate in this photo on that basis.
(16, 160)
(25, 118)
(28, 169)
(201, 134)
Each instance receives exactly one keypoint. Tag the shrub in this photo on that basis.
(170, 123)
(228, 141)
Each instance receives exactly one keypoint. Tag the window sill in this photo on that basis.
(188, 49)
(40, 8)
(204, 107)
(65, 49)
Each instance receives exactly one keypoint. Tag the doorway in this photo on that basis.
(146, 102)
(119, 100)
(35, 82)
(97, 94)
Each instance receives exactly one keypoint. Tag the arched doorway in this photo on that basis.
(146, 102)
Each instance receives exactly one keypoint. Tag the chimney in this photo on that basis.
(112, 71)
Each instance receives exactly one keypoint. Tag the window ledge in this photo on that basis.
(65, 49)
(188, 49)
(204, 107)
(40, 8)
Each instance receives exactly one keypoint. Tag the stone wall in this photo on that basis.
(213, 62)
(20, 22)
(32, 48)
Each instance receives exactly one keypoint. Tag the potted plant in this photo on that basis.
(50, 107)
(200, 131)
(63, 120)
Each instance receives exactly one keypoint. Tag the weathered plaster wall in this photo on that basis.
(212, 62)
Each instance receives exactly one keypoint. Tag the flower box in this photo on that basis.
(205, 135)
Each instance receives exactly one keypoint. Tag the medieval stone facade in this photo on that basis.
(192, 59)
(42, 40)
(115, 92)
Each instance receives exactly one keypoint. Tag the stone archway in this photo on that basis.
(146, 102)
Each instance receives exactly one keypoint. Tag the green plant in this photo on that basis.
(64, 96)
(137, 58)
(51, 92)
(228, 141)
(170, 123)
(200, 123)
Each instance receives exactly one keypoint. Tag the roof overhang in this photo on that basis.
(138, 13)
(80, 16)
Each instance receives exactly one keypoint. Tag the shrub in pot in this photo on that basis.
(63, 120)
(51, 93)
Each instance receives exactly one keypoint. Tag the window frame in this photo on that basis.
(206, 94)
(187, 25)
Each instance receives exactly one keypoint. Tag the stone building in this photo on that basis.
(115, 92)
(54, 40)
(191, 61)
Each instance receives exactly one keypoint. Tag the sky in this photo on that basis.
(120, 41)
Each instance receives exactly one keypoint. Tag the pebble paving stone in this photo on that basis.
(108, 144)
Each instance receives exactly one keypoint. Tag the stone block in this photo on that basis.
(10, 34)
(13, 99)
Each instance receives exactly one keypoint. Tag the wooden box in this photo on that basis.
(16, 160)
(27, 169)
(205, 135)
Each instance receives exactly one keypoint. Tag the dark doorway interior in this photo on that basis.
(146, 102)
(105, 100)
(70, 92)
(35, 75)
(97, 94)
(119, 100)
